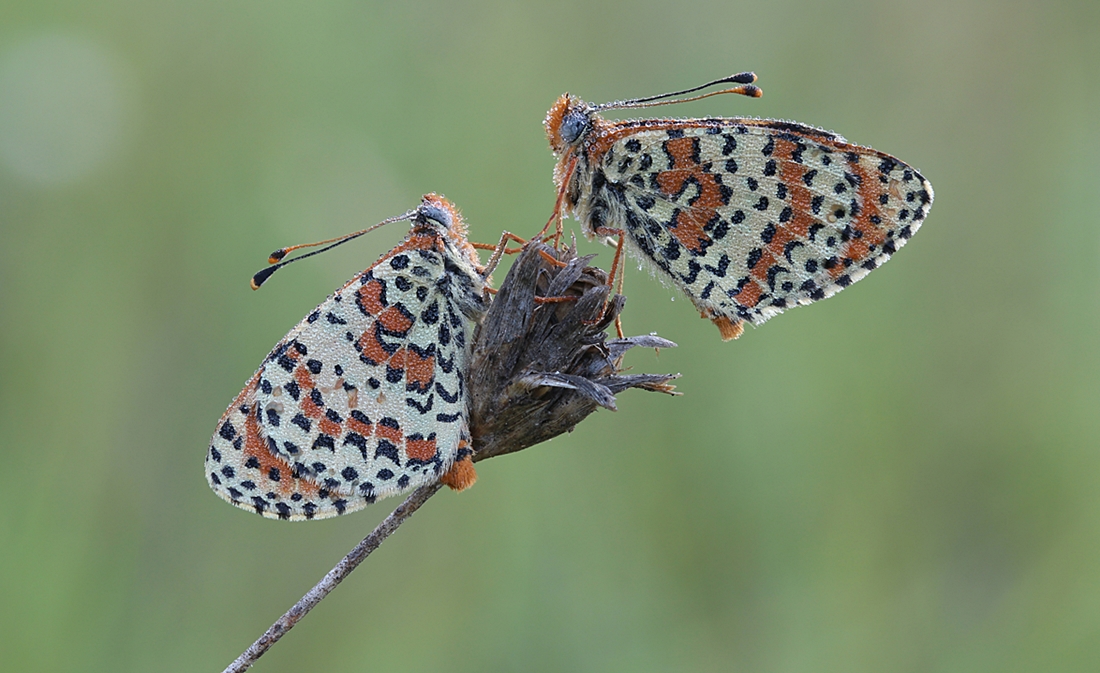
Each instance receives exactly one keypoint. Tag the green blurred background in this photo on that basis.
(903, 478)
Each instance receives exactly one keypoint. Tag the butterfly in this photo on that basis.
(366, 397)
(748, 217)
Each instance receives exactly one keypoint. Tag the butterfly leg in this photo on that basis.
(556, 300)
(499, 250)
(504, 237)
(617, 275)
(556, 216)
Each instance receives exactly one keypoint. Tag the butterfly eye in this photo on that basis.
(572, 126)
(439, 215)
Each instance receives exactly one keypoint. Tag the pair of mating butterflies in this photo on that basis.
(366, 397)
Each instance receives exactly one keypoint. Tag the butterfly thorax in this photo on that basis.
(464, 279)
(463, 282)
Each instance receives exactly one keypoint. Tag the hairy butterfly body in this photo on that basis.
(366, 397)
(748, 217)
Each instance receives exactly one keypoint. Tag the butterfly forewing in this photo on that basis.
(749, 218)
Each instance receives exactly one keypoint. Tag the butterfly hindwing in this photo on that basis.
(243, 471)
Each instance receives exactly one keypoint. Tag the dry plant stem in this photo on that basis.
(536, 370)
(314, 596)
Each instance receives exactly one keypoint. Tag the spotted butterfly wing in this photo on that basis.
(366, 397)
(747, 217)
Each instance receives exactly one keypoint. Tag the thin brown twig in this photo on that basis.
(329, 582)
(536, 370)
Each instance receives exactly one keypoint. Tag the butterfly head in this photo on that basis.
(442, 218)
(567, 123)
(437, 212)
(571, 119)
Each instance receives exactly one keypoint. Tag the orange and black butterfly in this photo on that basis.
(748, 217)
(366, 397)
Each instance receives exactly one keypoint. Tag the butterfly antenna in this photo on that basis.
(275, 259)
(743, 79)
